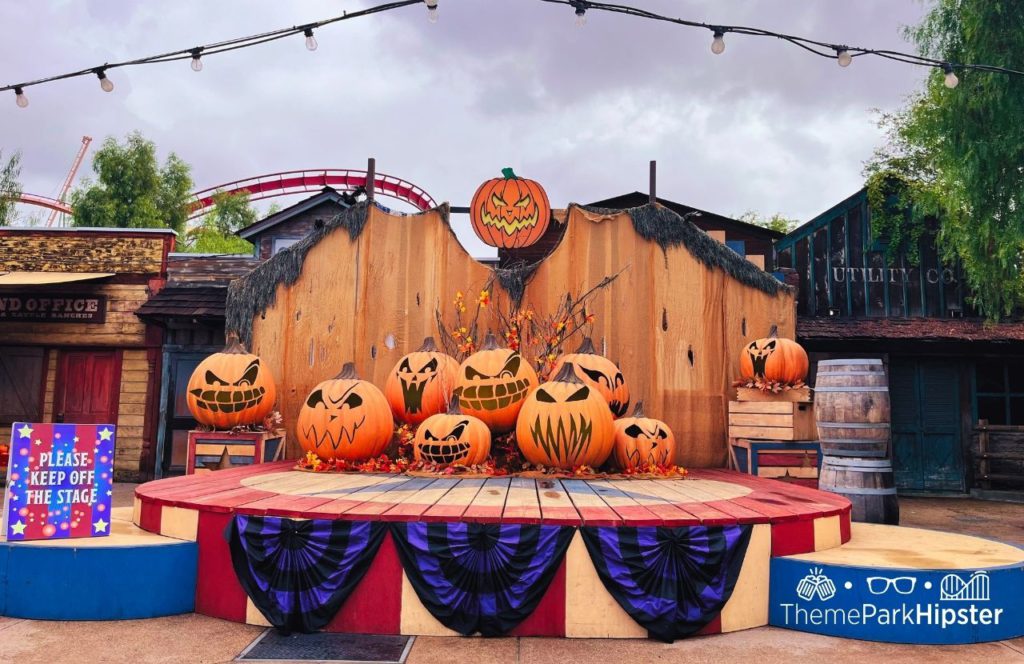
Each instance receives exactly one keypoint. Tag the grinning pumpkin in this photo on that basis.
(642, 441)
(345, 418)
(452, 438)
(599, 372)
(231, 388)
(421, 383)
(510, 211)
(565, 423)
(775, 360)
(493, 383)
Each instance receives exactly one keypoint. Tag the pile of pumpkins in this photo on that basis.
(574, 419)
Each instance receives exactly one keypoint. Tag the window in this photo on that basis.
(283, 243)
(21, 376)
(999, 394)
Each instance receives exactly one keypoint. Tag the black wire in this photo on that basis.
(819, 48)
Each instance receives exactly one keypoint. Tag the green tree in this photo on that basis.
(958, 154)
(216, 233)
(10, 187)
(776, 222)
(132, 190)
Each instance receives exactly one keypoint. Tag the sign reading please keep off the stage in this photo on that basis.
(60, 481)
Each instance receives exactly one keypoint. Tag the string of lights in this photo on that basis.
(841, 53)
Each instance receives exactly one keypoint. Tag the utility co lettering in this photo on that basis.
(892, 275)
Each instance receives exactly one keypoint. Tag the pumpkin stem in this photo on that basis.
(507, 172)
(774, 332)
(490, 342)
(639, 410)
(587, 347)
(429, 346)
(348, 372)
(234, 346)
(567, 374)
(453, 404)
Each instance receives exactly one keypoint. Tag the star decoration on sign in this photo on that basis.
(106, 433)
(100, 526)
(18, 528)
(25, 431)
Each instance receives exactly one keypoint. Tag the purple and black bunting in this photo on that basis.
(672, 581)
(476, 577)
(299, 573)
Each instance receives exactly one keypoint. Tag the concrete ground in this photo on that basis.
(193, 638)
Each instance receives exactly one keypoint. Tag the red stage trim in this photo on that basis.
(548, 619)
(218, 592)
(375, 606)
(792, 537)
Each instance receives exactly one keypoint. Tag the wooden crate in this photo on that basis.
(792, 461)
(772, 420)
(801, 395)
(207, 449)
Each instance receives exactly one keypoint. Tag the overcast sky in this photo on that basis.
(493, 83)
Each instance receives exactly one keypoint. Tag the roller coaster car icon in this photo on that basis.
(815, 583)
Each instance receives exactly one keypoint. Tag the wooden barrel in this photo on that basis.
(867, 483)
(851, 407)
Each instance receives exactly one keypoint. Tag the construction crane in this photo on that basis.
(86, 140)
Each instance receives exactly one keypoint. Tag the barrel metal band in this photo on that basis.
(853, 425)
(832, 363)
(859, 491)
(871, 388)
(858, 453)
(868, 465)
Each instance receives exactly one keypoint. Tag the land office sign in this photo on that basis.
(53, 308)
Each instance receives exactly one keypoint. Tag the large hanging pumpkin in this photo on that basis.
(493, 382)
(231, 388)
(421, 383)
(642, 441)
(600, 373)
(774, 360)
(452, 438)
(565, 423)
(510, 211)
(345, 418)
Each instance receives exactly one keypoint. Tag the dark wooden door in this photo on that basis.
(88, 386)
(178, 421)
(926, 425)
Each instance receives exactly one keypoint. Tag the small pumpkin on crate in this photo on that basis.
(600, 373)
(421, 383)
(452, 438)
(493, 383)
(642, 441)
(231, 388)
(774, 360)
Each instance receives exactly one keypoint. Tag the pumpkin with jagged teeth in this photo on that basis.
(452, 438)
(493, 383)
(231, 388)
(421, 383)
(510, 211)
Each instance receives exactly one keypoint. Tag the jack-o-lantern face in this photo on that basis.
(421, 383)
(600, 373)
(565, 423)
(345, 418)
(643, 442)
(774, 359)
(231, 388)
(452, 438)
(510, 212)
(492, 384)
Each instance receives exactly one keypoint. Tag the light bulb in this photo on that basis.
(197, 60)
(951, 80)
(581, 17)
(843, 57)
(310, 39)
(431, 10)
(105, 83)
(20, 99)
(718, 43)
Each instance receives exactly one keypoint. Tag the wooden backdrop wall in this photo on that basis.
(365, 289)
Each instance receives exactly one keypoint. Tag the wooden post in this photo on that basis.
(983, 466)
(371, 177)
(654, 183)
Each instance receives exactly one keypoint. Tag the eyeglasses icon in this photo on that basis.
(879, 585)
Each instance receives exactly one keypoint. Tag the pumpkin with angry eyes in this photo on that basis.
(421, 383)
(565, 423)
(345, 418)
(599, 372)
(509, 211)
(452, 438)
(231, 388)
(642, 442)
(774, 360)
(493, 382)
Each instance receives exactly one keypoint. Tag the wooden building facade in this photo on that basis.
(949, 371)
(71, 346)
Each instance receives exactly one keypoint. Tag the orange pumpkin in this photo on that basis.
(493, 383)
(421, 383)
(775, 360)
(565, 423)
(452, 438)
(345, 418)
(641, 441)
(510, 211)
(600, 373)
(231, 388)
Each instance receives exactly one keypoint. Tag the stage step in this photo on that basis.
(902, 585)
(129, 574)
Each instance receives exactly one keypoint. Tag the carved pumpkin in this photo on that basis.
(493, 382)
(452, 438)
(774, 359)
(510, 211)
(565, 423)
(345, 418)
(600, 373)
(421, 383)
(642, 441)
(231, 388)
